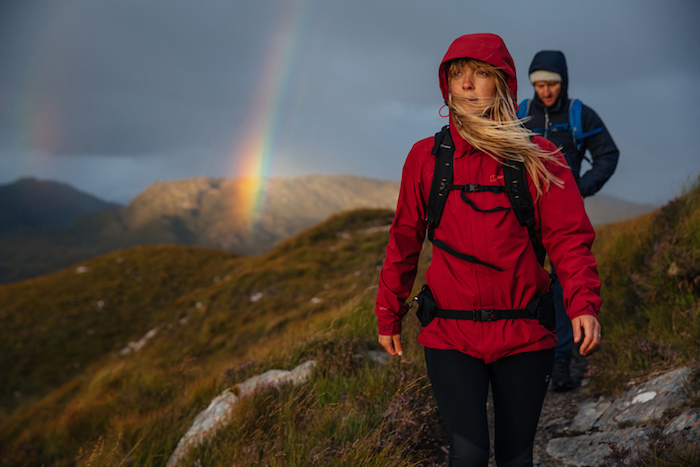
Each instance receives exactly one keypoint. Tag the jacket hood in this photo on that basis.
(552, 60)
(488, 48)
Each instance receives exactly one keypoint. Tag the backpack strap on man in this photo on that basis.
(524, 109)
(575, 110)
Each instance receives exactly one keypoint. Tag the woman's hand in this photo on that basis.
(591, 329)
(392, 344)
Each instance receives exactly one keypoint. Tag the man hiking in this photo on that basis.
(574, 128)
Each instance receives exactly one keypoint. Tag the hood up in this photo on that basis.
(552, 60)
(488, 48)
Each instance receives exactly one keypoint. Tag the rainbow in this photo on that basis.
(254, 154)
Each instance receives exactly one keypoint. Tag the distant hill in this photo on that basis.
(606, 209)
(208, 212)
(33, 203)
(200, 211)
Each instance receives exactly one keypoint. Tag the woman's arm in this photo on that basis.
(567, 235)
(405, 242)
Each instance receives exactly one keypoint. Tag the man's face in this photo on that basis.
(548, 91)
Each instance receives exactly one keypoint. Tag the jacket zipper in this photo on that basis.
(546, 122)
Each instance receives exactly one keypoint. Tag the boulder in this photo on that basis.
(218, 413)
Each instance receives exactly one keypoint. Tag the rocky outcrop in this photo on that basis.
(220, 410)
(623, 421)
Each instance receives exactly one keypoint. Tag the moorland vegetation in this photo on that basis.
(222, 318)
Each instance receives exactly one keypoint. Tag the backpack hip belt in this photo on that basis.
(541, 308)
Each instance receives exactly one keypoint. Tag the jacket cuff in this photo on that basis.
(390, 329)
(585, 188)
(587, 310)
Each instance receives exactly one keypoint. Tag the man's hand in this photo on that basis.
(591, 329)
(392, 344)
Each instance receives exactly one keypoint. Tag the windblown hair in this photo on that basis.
(497, 131)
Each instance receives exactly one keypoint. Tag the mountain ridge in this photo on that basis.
(210, 212)
(33, 203)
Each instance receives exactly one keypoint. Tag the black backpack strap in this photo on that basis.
(445, 247)
(444, 152)
(515, 176)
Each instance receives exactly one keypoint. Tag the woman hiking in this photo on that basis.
(490, 317)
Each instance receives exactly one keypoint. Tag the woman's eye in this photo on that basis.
(481, 73)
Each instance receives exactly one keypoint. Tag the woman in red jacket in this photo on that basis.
(513, 354)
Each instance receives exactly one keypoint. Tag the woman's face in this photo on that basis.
(473, 85)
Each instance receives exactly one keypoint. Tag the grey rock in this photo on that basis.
(590, 449)
(641, 404)
(219, 412)
(589, 413)
(379, 356)
(135, 346)
(654, 397)
(636, 410)
(276, 377)
(205, 425)
(557, 427)
(688, 423)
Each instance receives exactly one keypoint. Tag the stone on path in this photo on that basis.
(591, 449)
(625, 420)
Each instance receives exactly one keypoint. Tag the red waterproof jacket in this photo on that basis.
(494, 237)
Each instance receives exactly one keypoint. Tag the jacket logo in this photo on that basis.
(495, 178)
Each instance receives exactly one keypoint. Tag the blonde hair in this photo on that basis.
(497, 131)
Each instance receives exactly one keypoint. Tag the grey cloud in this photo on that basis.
(148, 81)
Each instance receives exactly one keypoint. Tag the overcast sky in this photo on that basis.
(112, 95)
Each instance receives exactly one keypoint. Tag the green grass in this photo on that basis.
(650, 273)
(316, 300)
(56, 325)
(135, 408)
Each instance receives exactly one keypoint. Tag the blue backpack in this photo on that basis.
(574, 126)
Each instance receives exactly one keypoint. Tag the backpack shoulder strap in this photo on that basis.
(515, 177)
(523, 109)
(575, 110)
(444, 151)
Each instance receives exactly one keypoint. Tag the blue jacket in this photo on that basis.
(604, 153)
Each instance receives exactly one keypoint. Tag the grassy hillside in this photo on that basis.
(650, 272)
(56, 325)
(312, 296)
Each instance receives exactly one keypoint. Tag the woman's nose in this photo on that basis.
(468, 82)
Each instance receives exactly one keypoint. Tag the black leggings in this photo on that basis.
(518, 383)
